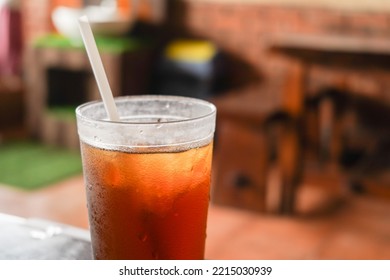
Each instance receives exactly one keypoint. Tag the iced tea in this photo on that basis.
(148, 205)
(147, 176)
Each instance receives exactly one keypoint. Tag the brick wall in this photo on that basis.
(243, 29)
(37, 16)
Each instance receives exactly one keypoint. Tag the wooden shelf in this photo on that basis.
(334, 50)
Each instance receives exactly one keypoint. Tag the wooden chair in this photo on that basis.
(354, 136)
(258, 161)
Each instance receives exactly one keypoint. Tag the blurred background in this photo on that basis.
(302, 88)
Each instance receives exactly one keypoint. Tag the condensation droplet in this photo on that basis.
(143, 237)
(155, 255)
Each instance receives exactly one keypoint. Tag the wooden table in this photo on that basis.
(334, 50)
(337, 54)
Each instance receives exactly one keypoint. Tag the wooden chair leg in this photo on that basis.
(286, 149)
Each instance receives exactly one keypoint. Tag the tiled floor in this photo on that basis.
(358, 230)
(357, 227)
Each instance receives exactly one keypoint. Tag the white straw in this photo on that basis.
(97, 68)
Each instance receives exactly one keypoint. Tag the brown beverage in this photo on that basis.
(148, 176)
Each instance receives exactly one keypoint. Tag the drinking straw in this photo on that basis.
(98, 69)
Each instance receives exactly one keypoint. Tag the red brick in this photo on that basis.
(320, 21)
(36, 18)
(201, 16)
(280, 20)
(373, 24)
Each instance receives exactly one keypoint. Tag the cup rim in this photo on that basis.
(208, 104)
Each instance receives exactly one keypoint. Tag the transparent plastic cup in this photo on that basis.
(148, 177)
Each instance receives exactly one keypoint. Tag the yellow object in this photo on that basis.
(190, 51)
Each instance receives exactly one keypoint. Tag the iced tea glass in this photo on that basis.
(147, 177)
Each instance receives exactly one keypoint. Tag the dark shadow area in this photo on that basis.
(364, 138)
(66, 87)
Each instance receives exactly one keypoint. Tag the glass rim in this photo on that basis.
(198, 101)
